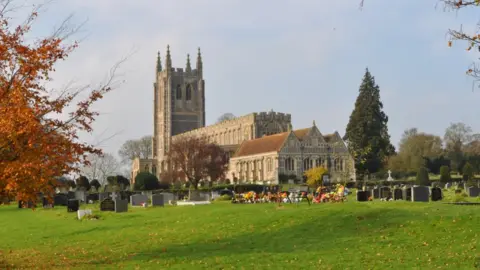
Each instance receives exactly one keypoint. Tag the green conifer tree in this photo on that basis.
(367, 129)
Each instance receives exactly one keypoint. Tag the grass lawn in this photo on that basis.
(352, 235)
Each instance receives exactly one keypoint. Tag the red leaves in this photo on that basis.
(36, 147)
(196, 159)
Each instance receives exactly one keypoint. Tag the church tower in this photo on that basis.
(179, 102)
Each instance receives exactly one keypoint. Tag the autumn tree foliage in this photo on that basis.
(315, 176)
(196, 159)
(39, 126)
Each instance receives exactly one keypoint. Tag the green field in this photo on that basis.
(352, 235)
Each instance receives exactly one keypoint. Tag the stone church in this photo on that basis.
(263, 148)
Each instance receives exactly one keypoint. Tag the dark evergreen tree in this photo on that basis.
(445, 174)
(422, 177)
(367, 132)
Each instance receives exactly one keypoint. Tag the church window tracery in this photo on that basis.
(289, 164)
(179, 92)
(188, 94)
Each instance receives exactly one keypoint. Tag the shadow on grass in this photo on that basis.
(318, 232)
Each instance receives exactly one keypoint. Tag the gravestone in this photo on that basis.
(107, 205)
(81, 195)
(436, 194)
(420, 194)
(73, 205)
(60, 199)
(168, 198)
(82, 213)
(448, 185)
(46, 203)
(362, 196)
(214, 195)
(121, 206)
(102, 196)
(22, 204)
(473, 192)
(407, 193)
(138, 199)
(385, 193)
(158, 200)
(398, 194)
(92, 197)
(71, 195)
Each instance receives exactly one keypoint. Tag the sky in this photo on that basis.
(306, 58)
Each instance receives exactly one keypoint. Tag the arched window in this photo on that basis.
(338, 164)
(307, 164)
(179, 92)
(188, 94)
(289, 164)
(154, 170)
(318, 162)
(269, 165)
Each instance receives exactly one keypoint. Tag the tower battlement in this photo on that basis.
(271, 115)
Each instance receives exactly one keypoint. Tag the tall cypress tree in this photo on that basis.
(367, 132)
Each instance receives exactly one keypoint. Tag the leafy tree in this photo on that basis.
(35, 144)
(445, 174)
(224, 117)
(456, 136)
(131, 149)
(468, 173)
(422, 177)
(146, 181)
(315, 176)
(71, 183)
(416, 150)
(95, 183)
(196, 159)
(367, 129)
(83, 183)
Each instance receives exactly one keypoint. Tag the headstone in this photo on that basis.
(121, 205)
(376, 193)
(107, 205)
(362, 196)
(385, 193)
(73, 205)
(22, 204)
(473, 192)
(407, 193)
(81, 195)
(390, 178)
(158, 200)
(93, 197)
(448, 185)
(71, 195)
(138, 199)
(420, 194)
(60, 199)
(398, 194)
(46, 203)
(436, 194)
(147, 193)
(102, 196)
(168, 198)
(214, 195)
(82, 213)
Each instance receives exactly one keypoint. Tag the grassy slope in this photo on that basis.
(375, 235)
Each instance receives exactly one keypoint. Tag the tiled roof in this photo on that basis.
(271, 143)
(262, 145)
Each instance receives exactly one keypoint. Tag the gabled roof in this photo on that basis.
(301, 133)
(265, 144)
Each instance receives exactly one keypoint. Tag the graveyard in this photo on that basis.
(352, 234)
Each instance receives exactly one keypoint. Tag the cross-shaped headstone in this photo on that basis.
(389, 173)
(114, 196)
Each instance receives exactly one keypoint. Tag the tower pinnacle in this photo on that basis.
(189, 68)
(199, 62)
(168, 61)
(159, 63)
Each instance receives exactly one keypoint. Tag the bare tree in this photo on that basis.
(140, 148)
(101, 166)
(196, 159)
(224, 117)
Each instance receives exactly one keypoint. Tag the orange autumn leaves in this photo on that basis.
(35, 146)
